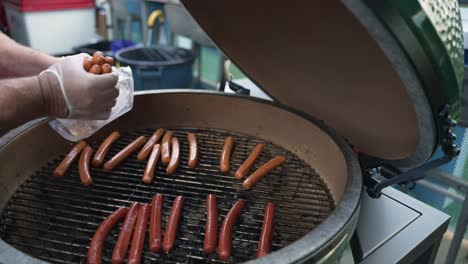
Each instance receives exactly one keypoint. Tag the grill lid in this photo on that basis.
(377, 75)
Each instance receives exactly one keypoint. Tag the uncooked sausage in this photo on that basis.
(151, 165)
(155, 235)
(249, 162)
(225, 160)
(175, 156)
(172, 224)
(225, 233)
(97, 243)
(83, 166)
(139, 234)
(193, 150)
(69, 158)
(121, 247)
(124, 153)
(211, 227)
(101, 153)
(257, 175)
(166, 148)
(146, 149)
(266, 236)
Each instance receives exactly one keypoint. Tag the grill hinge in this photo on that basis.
(393, 175)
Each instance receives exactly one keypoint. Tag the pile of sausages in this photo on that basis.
(98, 64)
(256, 176)
(136, 220)
(169, 150)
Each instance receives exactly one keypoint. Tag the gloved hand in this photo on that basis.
(71, 92)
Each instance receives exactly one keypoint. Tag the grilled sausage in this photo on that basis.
(69, 158)
(151, 165)
(98, 58)
(193, 150)
(249, 162)
(124, 153)
(172, 224)
(166, 148)
(97, 243)
(138, 240)
(87, 64)
(266, 236)
(257, 175)
(95, 69)
(109, 60)
(101, 153)
(175, 157)
(211, 227)
(155, 234)
(83, 166)
(146, 150)
(106, 68)
(120, 249)
(226, 155)
(225, 234)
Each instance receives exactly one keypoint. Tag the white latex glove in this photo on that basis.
(87, 96)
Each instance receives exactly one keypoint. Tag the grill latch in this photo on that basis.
(393, 175)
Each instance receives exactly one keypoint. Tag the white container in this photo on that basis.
(53, 32)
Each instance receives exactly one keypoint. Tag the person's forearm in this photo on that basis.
(20, 61)
(24, 99)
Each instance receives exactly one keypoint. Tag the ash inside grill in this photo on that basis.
(55, 219)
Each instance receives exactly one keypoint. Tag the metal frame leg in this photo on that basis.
(459, 234)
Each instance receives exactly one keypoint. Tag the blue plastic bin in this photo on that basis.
(158, 67)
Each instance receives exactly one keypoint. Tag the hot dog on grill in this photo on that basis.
(249, 162)
(225, 233)
(97, 243)
(148, 147)
(124, 153)
(175, 156)
(155, 235)
(266, 236)
(83, 166)
(257, 175)
(139, 234)
(69, 158)
(120, 248)
(101, 153)
(166, 148)
(225, 160)
(151, 165)
(193, 150)
(172, 224)
(211, 227)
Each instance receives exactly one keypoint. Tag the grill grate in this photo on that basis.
(54, 219)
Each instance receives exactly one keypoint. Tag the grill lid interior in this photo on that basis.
(319, 58)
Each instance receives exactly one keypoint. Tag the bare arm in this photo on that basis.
(20, 61)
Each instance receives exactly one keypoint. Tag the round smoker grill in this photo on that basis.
(54, 219)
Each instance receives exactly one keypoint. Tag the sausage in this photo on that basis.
(166, 148)
(146, 150)
(69, 158)
(155, 234)
(257, 175)
(97, 243)
(151, 165)
(226, 154)
(175, 157)
(211, 227)
(109, 60)
(95, 69)
(225, 234)
(83, 166)
(138, 239)
(98, 58)
(101, 153)
(267, 231)
(249, 162)
(193, 150)
(120, 249)
(124, 153)
(172, 223)
(106, 68)
(87, 64)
